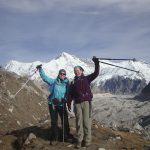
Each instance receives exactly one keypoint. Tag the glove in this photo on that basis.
(63, 101)
(69, 106)
(95, 60)
(39, 66)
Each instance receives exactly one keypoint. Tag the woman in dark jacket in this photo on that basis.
(80, 92)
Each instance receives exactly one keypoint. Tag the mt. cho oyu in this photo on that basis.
(111, 79)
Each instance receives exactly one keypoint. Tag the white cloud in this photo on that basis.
(84, 6)
(26, 5)
(106, 27)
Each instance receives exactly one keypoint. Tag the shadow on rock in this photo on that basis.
(40, 132)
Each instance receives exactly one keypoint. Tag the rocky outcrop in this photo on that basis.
(146, 90)
(122, 112)
(120, 85)
(145, 94)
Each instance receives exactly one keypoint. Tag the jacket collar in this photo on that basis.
(76, 77)
(62, 81)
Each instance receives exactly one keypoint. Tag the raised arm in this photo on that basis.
(44, 77)
(92, 76)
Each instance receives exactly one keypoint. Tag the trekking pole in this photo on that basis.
(24, 84)
(119, 67)
(63, 122)
(133, 59)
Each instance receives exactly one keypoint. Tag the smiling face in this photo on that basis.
(78, 72)
(62, 75)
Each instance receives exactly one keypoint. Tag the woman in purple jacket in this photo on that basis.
(80, 92)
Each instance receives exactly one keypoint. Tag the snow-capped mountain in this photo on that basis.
(64, 61)
(21, 68)
(68, 62)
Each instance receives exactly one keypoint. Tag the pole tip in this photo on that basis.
(134, 59)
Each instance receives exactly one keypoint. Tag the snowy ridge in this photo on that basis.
(68, 62)
(21, 68)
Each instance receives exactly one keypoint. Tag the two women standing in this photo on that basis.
(80, 92)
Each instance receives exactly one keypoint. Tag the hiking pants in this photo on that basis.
(83, 121)
(54, 121)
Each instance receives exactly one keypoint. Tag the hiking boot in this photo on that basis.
(53, 143)
(78, 145)
(87, 144)
(69, 138)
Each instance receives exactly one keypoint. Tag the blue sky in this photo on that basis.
(33, 30)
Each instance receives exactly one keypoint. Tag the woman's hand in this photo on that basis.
(95, 59)
(39, 66)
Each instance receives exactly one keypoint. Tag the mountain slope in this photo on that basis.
(27, 108)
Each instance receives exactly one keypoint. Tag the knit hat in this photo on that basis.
(79, 68)
(62, 70)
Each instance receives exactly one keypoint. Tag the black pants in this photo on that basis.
(54, 112)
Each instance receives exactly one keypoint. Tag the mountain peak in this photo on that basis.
(65, 55)
(13, 62)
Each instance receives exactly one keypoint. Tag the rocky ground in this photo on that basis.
(122, 112)
(120, 122)
(37, 138)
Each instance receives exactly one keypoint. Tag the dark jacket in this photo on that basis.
(80, 87)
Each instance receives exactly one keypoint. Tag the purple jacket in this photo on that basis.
(80, 87)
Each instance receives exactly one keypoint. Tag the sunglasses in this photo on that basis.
(63, 74)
